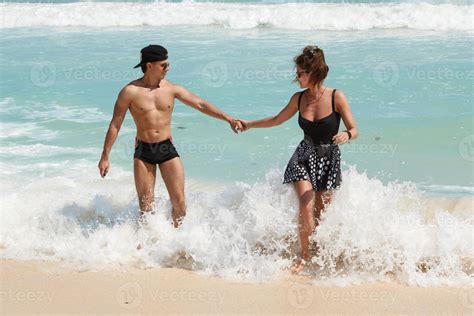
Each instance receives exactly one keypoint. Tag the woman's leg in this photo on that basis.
(321, 200)
(305, 193)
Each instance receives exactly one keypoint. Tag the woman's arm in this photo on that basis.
(285, 114)
(342, 107)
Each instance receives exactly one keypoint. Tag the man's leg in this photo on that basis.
(172, 172)
(145, 176)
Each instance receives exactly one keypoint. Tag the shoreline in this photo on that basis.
(52, 287)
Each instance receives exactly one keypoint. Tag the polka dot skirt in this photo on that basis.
(319, 164)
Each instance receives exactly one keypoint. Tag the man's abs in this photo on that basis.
(154, 135)
(151, 113)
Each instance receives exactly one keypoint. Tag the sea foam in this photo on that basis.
(292, 16)
(245, 231)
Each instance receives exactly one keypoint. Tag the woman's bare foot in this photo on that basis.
(298, 266)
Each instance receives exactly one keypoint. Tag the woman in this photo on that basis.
(314, 169)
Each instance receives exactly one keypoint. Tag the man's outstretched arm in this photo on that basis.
(120, 110)
(205, 107)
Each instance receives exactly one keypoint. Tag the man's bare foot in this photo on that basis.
(177, 221)
(143, 218)
(298, 266)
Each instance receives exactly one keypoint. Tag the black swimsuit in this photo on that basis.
(317, 159)
(321, 131)
(155, 153)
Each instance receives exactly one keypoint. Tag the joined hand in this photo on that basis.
(243, 124)
(236, 126)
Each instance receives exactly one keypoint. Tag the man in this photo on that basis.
(150, 100)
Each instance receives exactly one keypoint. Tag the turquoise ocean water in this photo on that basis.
(405, 67)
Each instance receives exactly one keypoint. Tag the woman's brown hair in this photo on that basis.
(312, 61)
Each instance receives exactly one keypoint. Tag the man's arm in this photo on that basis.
(120, 110)
(204, 106)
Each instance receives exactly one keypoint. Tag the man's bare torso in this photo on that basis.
(151, 110)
